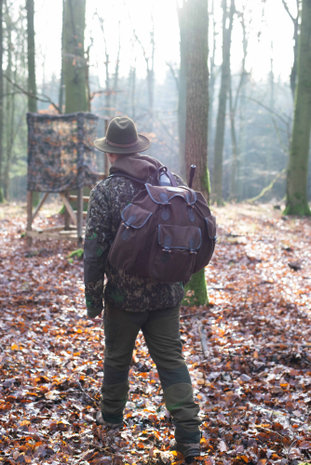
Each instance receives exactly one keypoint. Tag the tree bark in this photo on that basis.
(194, 28)
(32, 86)
(61, 95)
(222, 102)
(212, 68)
(182, 88)
(1, 99)
(297, 174)
(9, 110)
(295, 20)
(233, 104)
(73, 56)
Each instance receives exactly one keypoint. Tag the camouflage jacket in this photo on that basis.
(107, 200)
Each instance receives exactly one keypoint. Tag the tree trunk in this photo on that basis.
(132, 89)
(150, 77)
(107, 84)
(182, 89)
(61, 95)
(10, 114)
(32, 87)
(295, 20)
(116, 75)
(193, 21)
(212, 69)
(1, 100)
(235, 148)
(149, 60)
(222, 102)
(297, 174)
(9, 110)
(73, 56)
(197, 94)
(234, 102)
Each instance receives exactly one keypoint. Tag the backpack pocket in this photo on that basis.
(176, 237)
(127, 251)
(175, 257)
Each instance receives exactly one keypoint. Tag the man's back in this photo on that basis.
(108, 199)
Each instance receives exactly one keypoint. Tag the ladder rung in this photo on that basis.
(75, 197)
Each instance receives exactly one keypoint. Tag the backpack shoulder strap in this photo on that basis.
(167, 176)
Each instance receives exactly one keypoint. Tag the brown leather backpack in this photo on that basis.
(167, 233)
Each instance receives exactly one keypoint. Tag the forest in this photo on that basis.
(250, 115)
(224, 85)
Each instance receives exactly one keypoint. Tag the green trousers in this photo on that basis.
(161, 332)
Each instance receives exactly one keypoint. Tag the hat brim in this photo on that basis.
(142, 144)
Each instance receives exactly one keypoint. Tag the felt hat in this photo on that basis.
(122, 138)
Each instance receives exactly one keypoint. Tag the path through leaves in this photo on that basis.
(249, 353)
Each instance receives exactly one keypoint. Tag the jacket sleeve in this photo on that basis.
(96, 248)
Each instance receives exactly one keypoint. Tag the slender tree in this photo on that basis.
(297, 173)
(111, 79)
(228, 14)
(73, 58)
(194, 26)
(295, 20)
(182, 86)
(234, 101)
(132, 91)
(1, 97)
(10, 101)
(61, 95)
(149, 61)
(212, 65)
(116, 71)
(32, 87)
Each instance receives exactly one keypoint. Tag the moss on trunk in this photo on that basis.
(195, 290)
(193, 21)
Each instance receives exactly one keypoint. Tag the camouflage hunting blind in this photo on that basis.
(61, 160)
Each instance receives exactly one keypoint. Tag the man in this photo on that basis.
(131, 303)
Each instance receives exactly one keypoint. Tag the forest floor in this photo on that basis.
(248, 352)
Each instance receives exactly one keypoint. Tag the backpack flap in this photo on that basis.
(133, 216)
(162, 195)
(128, 250)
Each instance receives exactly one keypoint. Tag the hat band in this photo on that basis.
(114, 144)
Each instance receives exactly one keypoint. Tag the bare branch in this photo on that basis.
(281, 118)
(44, 98)
(142, 48)
(288, 11)
(268, 188)
(174, 74)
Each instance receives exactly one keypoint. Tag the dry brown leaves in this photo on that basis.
(251, 376)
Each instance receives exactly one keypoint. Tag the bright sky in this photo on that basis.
(276, 29)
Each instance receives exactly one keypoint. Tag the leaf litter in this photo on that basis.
(248, 353)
